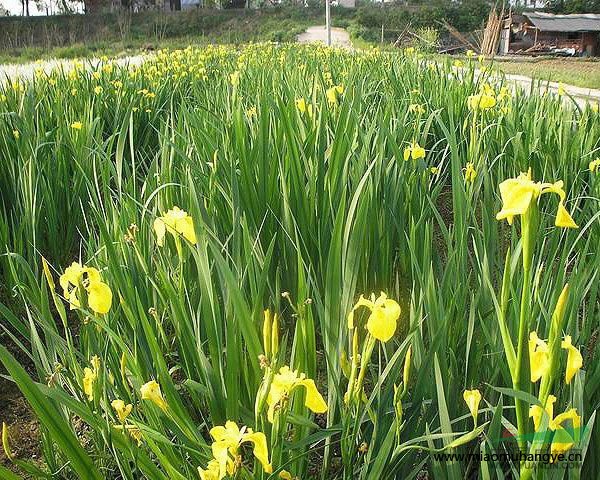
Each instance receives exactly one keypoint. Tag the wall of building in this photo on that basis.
(586, 42)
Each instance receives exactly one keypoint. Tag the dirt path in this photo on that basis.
(580, 94)
(27, 70)
(339, 36)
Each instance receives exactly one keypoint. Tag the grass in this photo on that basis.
(581, 73)
(308, 177)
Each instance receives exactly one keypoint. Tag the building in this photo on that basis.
(540, 32)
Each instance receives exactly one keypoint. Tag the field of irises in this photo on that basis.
(292, 262)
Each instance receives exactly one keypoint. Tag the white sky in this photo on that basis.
(14, 7)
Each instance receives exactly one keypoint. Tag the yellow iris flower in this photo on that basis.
(536, 412)
(304, 107)
(89, 377)
(472, 399)
(416, 108)
(122, 410)
(574, 359)
(77, 125)
(132, 430)
(562, 441)
(99, 294)
(384, 315)
(284, 383)
(151, 391)
(470, 173)
(594, 165)
(518, 194)
(227, 441)
(539, 357)
(414, 151)
(176, 222)
(482, 101)
(333, 93)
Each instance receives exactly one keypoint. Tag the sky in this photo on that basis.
(14, 7)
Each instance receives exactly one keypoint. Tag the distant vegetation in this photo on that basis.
(574, 6)
(28, 38)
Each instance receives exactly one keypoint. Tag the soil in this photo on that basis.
(23, 427)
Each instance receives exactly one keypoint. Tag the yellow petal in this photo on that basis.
(574, 359)
(99, 297)
(301, 105)
(331, 95)
(212, 471)
(539, 363)
(218, 432)
(73, 300)
(185, 226)
(562, 442)
(71, 276)
(517, 195)
(418, 152)
(407, 152)
(122, 410)
(89, 377)
(260, 451)
(314, 400)
(556, 187)
(220, 452)
(563, 417)
(536, 412)
(472, 399)
(539, 359)
(92, 274)
(382, 321)
(563, 218)
(362, 302)
(151, 391)
(160, 230)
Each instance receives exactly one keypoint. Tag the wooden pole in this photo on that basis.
(328, 21)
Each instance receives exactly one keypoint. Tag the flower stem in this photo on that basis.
(521, 374)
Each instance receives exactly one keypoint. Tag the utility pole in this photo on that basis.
(328, 21)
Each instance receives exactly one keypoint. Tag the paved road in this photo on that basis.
(339, 36)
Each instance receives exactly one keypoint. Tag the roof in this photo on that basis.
(580, 22)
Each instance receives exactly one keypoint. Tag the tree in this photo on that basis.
(574, 6)
(96, 6)
(25, 7)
